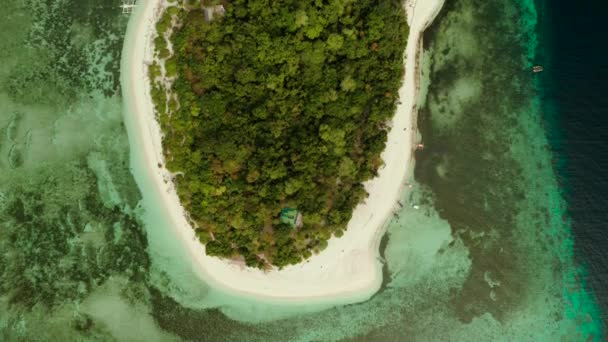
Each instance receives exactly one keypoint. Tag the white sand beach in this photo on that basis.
(349, 268)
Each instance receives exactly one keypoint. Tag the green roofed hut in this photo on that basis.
(291, 217)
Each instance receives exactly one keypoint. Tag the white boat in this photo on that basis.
(537, 68)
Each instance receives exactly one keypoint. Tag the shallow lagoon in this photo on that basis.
(487, 255)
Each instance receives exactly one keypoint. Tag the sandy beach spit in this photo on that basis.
(349, 269)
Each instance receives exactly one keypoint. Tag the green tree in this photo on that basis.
(335, 41)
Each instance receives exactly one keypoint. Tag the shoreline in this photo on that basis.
(350, 267)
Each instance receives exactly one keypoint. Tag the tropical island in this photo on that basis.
(349, 269)
(273, 114)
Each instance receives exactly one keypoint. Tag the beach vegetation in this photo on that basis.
(278, 104)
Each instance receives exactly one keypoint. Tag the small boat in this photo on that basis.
(537, 68)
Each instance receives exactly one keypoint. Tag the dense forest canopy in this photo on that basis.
(276, 104)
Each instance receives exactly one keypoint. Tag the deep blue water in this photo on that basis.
(574, 87)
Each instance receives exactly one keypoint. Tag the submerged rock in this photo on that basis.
(11, 129)
(15, 158)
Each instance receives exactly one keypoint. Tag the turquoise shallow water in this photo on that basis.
(67, 231)
(488, 256)
(497, 186)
